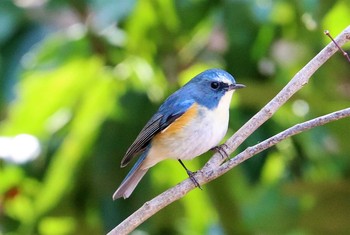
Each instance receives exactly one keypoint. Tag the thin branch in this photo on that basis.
(213, 169)
(294, 130)
(295, 84)
(346, 55)
(205, 176)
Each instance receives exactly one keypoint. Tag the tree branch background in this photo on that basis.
(81, 78)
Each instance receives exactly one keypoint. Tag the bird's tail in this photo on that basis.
(131, 180)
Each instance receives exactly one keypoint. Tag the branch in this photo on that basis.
(294, 130)
(213, 167)
(205, 176)
(294, 85)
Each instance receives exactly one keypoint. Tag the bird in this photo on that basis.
(190, 122)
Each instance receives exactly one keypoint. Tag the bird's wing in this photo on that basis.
(167, 114)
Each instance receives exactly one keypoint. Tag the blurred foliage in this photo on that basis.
(83, 77)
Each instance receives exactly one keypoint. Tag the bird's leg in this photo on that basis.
(190, 174)
(221, 151)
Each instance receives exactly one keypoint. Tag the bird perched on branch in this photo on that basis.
(190, 122)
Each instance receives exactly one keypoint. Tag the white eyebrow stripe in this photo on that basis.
(224, 80)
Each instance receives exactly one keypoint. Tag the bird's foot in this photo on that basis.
(190, 175)
(219, 149)
(193, 179)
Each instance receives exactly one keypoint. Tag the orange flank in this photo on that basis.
(179, 123)
(164, 143)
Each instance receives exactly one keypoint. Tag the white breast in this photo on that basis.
(209, 130)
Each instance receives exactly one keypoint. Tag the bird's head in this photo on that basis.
(210, 86)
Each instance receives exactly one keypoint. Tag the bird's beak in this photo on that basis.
(235, 86)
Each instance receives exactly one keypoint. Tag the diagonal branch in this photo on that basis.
(294, 130)
(214, 169)
(297, 82)
(205, 176)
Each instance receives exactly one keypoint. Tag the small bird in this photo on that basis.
(191, 121)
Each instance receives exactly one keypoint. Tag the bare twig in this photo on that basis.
(213, 169)
(294, 130)
(297, 82)
(346, 55)
(205, 176)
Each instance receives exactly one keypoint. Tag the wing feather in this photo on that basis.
(141, 141)
(161, 120)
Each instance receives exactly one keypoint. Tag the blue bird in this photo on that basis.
(191, 121)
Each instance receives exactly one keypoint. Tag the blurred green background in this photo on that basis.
(80, 78)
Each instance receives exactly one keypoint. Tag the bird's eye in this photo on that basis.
(214, 85)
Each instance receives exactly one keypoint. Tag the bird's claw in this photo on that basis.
(193, 179)
(219, 149)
